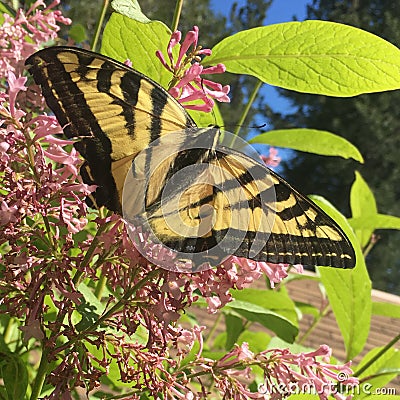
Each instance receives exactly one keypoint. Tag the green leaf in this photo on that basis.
(3, 346)
(380, 373)
(5, 9)
(349, 291)
(377, 221)
(204, 119)
(306, 308)
(15, 377)
(277, 343)
(301, 277)
(273, 321)
(386, 309)
(271, 309)
(363, 205)
(113, 376)
(90, 308)
(129, 8)
(258, 341)
(10, 325)
(77, 32)
(311, 141)
(191, 355)
(278, 301)
(234, 327)
(314, 57)
(125, 38)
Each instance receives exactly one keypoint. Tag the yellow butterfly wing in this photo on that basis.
(208, 202)
(113, 109)
(233, 204)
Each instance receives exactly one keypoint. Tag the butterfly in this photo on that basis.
(152, 164)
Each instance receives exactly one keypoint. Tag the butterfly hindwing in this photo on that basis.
(229, 203)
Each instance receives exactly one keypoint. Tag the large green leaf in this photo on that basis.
(5, 9)
(284, 328)
(204, 119)
(363, 205)
(365, 212)
(129, 8)
(311, 141)
(295, 348)
(15, 376)
(77, 33)
(380, 372)
(313, 57)
(386, 309)
(258, 341)
(272, 309)
(125, 38)
(278, 301)
(89, 309)
(234, 327)
(377, 221)
(349, 291)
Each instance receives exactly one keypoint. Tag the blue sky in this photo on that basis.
(280, 10)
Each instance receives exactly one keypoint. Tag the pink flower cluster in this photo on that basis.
(286, 373)
(235, 273)
(22, 35)
(272, 160)
(187, 84)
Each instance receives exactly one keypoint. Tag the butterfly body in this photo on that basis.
(151, 163)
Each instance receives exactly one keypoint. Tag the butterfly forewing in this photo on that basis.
(115, 110)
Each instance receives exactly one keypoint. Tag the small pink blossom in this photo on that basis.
(237, 355)
(22, 35)
(128, 62)
(7, 214)
(32, 329)
(187, 85)
(272, 160)
(303, 370)
(188, 338)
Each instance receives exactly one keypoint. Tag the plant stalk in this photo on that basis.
(177, 15)
(250, 102)
(377, 356)
(40, 376)
(99, 24)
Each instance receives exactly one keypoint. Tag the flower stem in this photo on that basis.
(8, 330)
(250, 102)
(98, 292)
(316, 321)
(90, 251)
(40, 376)
(213, 329)
(377, 356)
(115, 308)
(177, 15)
(99, 24)
(370, 246)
